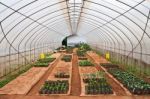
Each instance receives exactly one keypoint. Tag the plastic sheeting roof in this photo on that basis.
(122, 26)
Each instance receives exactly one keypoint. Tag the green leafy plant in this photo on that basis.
(133, 83)
(85, 63)
(97, 86)
(46, 60)
(43, 62)
(39, 64)
(82, 49)
(81, 53)
(55, 87)
(48, 55)
(83, 46)
(62, 75)
(66, 58)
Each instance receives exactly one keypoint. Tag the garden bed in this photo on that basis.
(134, 84)
(23, 83)
(67, 58)
(85, 63)
(97, 86)
(55, 87)
(44, 62)
(49, 59)
(62, 71)
(90, 82)
(116, 86)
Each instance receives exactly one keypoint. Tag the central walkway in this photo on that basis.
(75, 80)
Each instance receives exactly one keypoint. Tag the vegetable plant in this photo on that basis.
(97, 86)
(81, 53)
(43, 62)
(133, 83)
(83, 46)
(55, 87)
(67, 58)
(85, 63)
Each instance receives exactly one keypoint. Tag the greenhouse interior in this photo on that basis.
(71, 49)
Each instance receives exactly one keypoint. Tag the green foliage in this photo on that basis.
(86, 63)
(97, 86)
(39, 64)
(84, 47)
(14, 75)
(48, 55)
(66, 58)
(133, 83)
(81, 53)
(44, 62)
(55, 87)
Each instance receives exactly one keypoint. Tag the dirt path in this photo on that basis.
(71, 97)
(75, 81)
(35, 89)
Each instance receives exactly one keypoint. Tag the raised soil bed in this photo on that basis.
(116, 86)
(91, 85)
(64, 68)
(23, 83)
(85, 63)
(55, 87)
(97, 86)
(134, 84)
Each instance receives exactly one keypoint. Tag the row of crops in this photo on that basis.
(55, 87)
(45, 61)
(95, 83)
(133, 83)
(60, 86)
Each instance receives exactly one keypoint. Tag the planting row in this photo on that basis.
(133, 83)
(55, 87)
(97, 86)
(67, 58)
(45, 61)
(82, 49)
(95, 83)
(85, 63)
